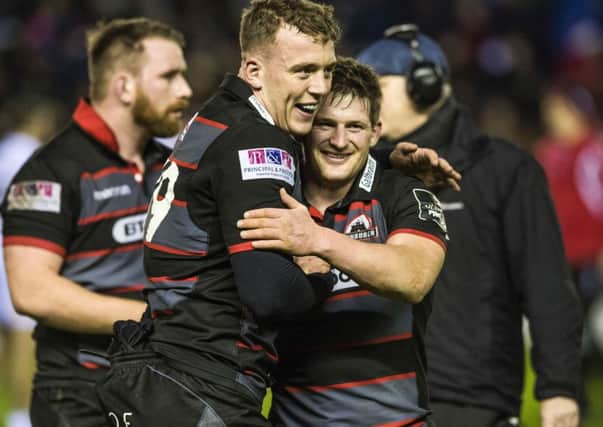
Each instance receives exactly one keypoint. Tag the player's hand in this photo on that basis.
(312, 264)
(425, 164)
(559, 412)
(291, 230)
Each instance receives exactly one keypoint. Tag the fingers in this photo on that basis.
(259, 234)
(448, 169)
(289, 200)
(406, 147)
(453, 184)
(263, 213)
(262, 222)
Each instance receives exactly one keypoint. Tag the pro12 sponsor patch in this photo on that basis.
(43, 196)
(267, 163)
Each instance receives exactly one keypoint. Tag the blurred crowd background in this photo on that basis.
(531, 70)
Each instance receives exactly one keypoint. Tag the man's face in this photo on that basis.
(397, 111)
(162, 92)
(296, 76)
(338, 145)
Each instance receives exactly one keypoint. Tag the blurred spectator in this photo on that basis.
(571, 153)
(34, 120)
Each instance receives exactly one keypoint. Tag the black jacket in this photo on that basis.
(505, 259)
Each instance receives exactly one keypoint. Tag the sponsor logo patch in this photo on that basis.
(343, 281)
(430, 208)
(43, 196)
(107, 193)
(368, 175)
(129, 229)
(361, 228)
(267, 163)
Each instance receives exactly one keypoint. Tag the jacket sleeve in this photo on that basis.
(541, 276)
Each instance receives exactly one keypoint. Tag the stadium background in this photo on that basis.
(504, 54)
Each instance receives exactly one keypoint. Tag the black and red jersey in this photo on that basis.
(78, 198)
(359, 359)
(230, 158)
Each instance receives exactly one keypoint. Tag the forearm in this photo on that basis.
(405, 270)
(60, 303)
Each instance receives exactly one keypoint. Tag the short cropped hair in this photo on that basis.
(119, 43)
(353, 78)
(263, 18)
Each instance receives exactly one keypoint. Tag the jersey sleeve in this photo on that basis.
(257, 163)
(38, 208)
(416, 210)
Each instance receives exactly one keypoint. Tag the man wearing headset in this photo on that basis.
(505, 257)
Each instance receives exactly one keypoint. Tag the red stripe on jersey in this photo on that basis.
(157, 167)
(90, 365)
(35, 242)
(347, 295)
(107, 171)
(211, 123)
(180, 203)
(356, 206)
(103, 252)
(240, 247)
(419, 233)
(158, 279)
(403, 423)
(169, 250)
(257, 347)
(122, 289)
(352, 384)
(113, 214)
(316, 214)
(183, 164)
(343, 346)
(160, 313)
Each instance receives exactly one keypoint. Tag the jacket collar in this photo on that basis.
(452, 132)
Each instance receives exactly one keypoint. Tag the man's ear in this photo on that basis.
(376, 133)
(252, 71)
(123, 85)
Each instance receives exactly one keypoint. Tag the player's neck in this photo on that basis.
(131, 138)
(322, 194)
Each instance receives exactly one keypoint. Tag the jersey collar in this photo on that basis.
(241, 89)
(90, 122)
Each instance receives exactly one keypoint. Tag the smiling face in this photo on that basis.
(293, 78)
(162, 92)
(338, 145)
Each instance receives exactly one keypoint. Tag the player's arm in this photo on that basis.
(269, 283)
(405, 267)
(38, 225)
(39, 291)
(424, 163)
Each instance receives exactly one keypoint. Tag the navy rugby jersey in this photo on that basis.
(360, 360)
(78, 198)
(230, 158)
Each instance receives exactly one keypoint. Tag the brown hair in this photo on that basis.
(119, 41)
(350, 77)
(263, 18)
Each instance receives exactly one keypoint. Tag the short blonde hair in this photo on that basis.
(263, 18)
(119, 42)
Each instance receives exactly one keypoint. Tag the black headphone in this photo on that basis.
(424, 80)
